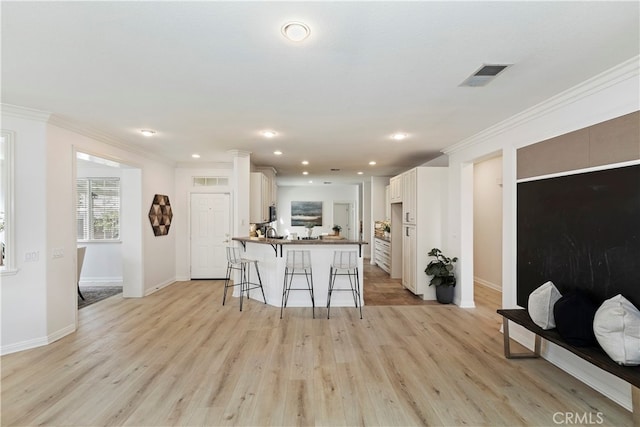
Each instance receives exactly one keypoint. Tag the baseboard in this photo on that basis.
(24, 345)
(603, 382)
(61, 333)
(488, 284)
(159, 286)
(37, 342)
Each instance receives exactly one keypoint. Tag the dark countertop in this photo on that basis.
(326, 241)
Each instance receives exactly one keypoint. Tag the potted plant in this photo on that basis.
(387, 229)
(441, 270)
(309, 226)
(336, 229)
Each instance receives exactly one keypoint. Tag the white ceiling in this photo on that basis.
(208, 76)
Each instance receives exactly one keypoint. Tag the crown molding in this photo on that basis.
(24, 112)
(98, 135)
(624, 71)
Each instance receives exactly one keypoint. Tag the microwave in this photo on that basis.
(272, 214)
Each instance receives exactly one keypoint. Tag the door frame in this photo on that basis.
(189, 231)
(352, 216)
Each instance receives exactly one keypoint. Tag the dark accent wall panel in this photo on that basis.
(580, 231)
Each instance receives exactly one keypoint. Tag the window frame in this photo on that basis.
(7, 189)
(90, 236)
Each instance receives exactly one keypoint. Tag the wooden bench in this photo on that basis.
(594, 355)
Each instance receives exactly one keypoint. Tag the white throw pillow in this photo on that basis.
(617, 329)
(541, 302)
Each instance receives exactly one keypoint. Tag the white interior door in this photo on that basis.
(342, 217)
(210, 228)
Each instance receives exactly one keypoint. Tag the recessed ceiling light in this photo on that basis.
(372, 163)
(305, 173)
(360, 172)
(295, 31)
(148, 132)
(195, 156)
(268, 133)
(277, 153)
(399, 136)
(305, 162)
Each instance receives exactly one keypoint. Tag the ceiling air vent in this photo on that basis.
(484, 75)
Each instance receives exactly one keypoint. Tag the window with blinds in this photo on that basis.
(98, 208)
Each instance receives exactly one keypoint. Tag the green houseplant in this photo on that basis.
(336, 229)
(309, 226)
(443, 278)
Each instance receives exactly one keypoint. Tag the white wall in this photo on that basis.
(487, 222)
(328, 194)
(604, 97)
(24, 292)
(39, 302)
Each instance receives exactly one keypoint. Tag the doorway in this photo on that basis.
(116, 263)
(343, 216)
(487, 225)
(210, 235)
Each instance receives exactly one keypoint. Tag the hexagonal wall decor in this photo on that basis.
(160, 215)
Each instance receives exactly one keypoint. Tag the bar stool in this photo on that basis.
(345, 263)
(243, 265)
(298, 263)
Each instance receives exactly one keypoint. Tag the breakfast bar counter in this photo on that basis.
(271, 255)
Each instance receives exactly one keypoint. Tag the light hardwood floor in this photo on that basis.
(178, 357)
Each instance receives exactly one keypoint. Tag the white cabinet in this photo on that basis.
(382, 255)
(409, 196)
(395, 189)
(423, 220)
(387, 202)
(260, 197)
(409, 248)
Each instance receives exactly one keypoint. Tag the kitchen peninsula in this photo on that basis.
(271, 255)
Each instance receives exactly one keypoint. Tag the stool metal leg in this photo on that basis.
(299, 260)
(243, 281)
(226, 282)
(310, 285)
(354, 287)
(255, 263)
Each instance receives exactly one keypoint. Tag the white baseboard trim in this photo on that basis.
(159, 286)
(37, 342)
(488, 284)
(183, 279)
(24, 345)
(609, 385)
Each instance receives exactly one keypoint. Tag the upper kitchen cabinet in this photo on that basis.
(395, 189)
(261, 198)
(409, 196)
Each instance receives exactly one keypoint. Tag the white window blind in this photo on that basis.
(98, 208)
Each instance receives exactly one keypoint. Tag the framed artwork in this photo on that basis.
(160, 215)
(303, 213)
